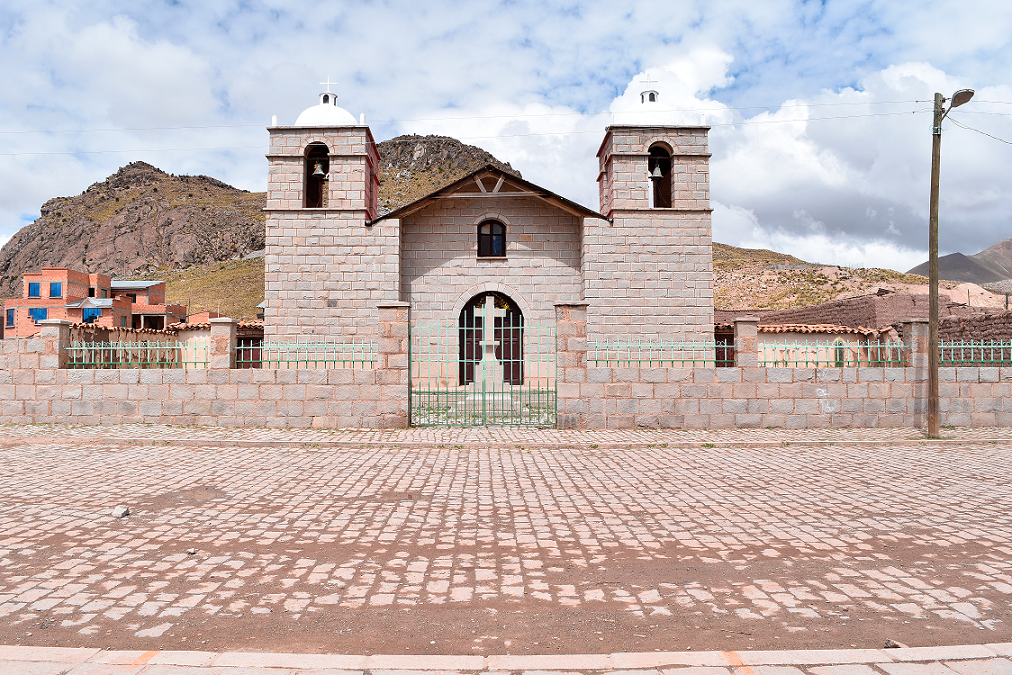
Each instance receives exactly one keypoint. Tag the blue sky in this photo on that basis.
(821, 135)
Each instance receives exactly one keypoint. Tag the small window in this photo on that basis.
(326, 99)
(38, 314)
(90, 314)
(491, 239)
(652, 97)
(33, 290)
(10, 317)
(91, 291)
(56, 290)
(123, 322)
(105, 293)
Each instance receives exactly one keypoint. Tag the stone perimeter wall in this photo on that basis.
(34, 389)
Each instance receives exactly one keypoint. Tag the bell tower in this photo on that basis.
(649, 272)
(326, 264)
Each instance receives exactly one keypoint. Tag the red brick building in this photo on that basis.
(62, 293)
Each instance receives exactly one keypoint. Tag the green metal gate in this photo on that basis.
(464, 374)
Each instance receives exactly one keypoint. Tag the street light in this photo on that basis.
(958, 99)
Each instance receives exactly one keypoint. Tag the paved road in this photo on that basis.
(516, 543)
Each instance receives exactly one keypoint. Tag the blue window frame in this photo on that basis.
(56, 290)
(33, 290)
(10, 317)
(89, 314)
(38, 314)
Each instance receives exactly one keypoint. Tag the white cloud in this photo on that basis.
(537, 81)
(740, 226)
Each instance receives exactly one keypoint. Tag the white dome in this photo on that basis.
(326, 115)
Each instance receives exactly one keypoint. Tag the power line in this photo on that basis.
(963, 126)
(545, 133)
(476, 117)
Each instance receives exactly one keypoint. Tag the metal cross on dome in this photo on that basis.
(328, 83)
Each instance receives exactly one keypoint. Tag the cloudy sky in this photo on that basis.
(820, 111)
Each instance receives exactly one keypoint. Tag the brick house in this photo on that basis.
(642, 263)
(62, 293)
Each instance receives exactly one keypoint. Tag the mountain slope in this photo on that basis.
(991, 264)
(142, 219)
(139, 219)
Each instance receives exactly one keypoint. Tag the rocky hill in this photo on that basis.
(990, 265)
(139, 219)
(414, 166)
(142, 219)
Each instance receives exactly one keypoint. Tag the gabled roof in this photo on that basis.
(492, 181)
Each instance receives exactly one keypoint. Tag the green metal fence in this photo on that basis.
(831, 354)
(320, 354)
(659, 353)
(463, 375)
(145, 354)
(974, 353)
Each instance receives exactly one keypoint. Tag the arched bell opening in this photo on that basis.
(317, 174)
(507, 332)
(659, 166)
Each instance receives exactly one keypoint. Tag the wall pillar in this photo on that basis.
(392, 364)
(55, 335)
(571, 364)
(915, 339)
(746, 341)
(223, 330)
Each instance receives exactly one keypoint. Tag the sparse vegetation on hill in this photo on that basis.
(233, 287)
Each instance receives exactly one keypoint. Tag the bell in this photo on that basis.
(318, 171)
(656, 173)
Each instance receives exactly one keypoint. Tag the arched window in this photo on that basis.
(659, 166)
(491, 239)
(317, 171)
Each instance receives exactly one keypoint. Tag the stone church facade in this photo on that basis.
(641, 263)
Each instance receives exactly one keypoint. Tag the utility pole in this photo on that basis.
(936, 160)
(958, 99)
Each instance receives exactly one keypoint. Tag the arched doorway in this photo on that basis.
(507, 331)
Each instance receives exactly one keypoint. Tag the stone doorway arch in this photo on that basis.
(507, 333)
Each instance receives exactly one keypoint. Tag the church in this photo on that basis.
(641, 263)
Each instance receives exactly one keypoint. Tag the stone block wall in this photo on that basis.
(624, 180)
(325, 273)
(441, 269)
(354, 162)
(793, 398)
(36, 388)
(649, 274)
(326, 269)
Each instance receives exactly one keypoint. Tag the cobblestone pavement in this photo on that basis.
(495, 436)
(503, 547)
(947, 660)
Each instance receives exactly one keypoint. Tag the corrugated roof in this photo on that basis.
(89, 302)
(126, 284)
